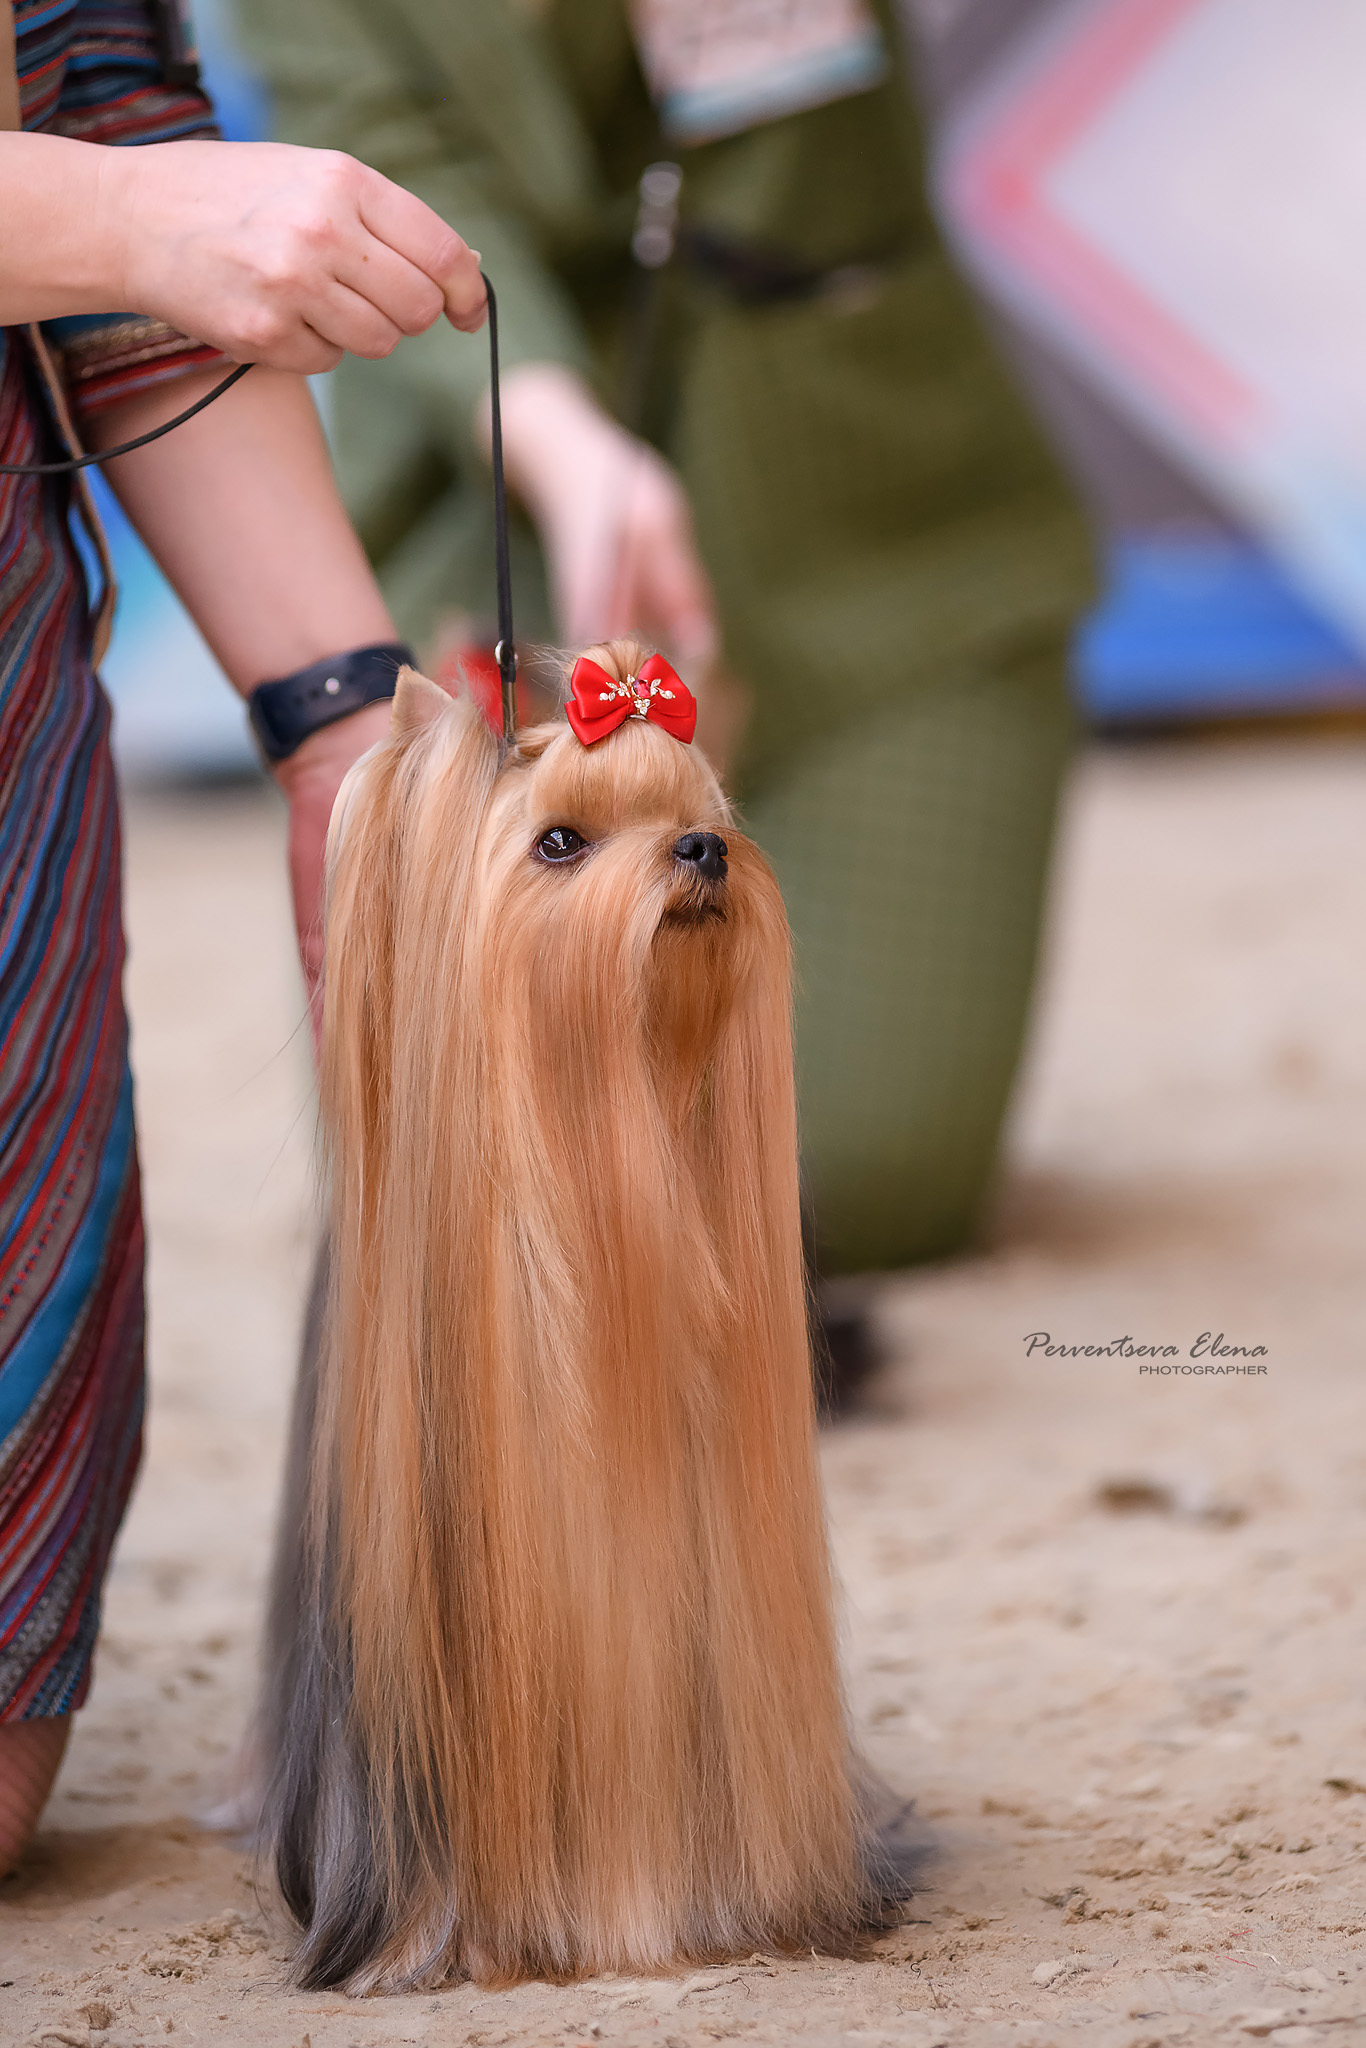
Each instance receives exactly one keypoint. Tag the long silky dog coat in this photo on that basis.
(553, 1685)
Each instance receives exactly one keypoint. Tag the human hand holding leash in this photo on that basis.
(279, 255)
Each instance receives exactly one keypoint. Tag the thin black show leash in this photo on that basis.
(506, 651)
(75, 462)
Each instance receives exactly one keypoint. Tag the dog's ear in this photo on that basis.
(417, 705)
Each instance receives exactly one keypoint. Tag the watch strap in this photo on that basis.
(284, 713)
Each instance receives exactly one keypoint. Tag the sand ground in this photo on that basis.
(1105, 1627)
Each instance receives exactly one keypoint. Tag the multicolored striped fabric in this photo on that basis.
(106, 362)
(88, 69)
(71, 1290)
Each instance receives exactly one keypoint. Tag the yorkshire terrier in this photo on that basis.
(553, 1687)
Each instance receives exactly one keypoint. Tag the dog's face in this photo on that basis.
(619, 868)
(638, 802)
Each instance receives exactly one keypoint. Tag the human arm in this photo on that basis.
(612, 515)
(617, 532)
(269, 253)
(240, 510)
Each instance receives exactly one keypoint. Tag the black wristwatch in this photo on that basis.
(284, 713)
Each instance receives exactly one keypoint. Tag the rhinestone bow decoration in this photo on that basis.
(599, 703)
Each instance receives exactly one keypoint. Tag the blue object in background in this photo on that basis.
(175, 712)
(241, 104)
(1196, 626)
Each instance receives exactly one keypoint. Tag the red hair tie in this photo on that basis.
(657, 692)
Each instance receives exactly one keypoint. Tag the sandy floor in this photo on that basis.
(1105, 1627)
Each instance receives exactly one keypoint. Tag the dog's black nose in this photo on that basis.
(705, 851)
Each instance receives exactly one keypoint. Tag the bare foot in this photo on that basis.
(30, 1753)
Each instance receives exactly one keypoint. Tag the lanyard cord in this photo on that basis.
(506, 651)
(74, 462)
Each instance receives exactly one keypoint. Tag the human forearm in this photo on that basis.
(241, 511)
(58, 254)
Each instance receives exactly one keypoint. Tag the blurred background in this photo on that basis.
(1161, 198)
(1159, 201)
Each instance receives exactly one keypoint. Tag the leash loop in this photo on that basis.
(505, 652)
(74, 462)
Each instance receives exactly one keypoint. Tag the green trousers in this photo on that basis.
(913, 850)
(897, 571)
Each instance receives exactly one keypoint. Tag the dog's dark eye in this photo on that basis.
(561, 842)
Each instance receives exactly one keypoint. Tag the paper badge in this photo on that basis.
(717, 67)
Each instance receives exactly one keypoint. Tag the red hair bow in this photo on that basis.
(600, 703)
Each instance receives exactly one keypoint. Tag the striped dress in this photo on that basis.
(71, 1247)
